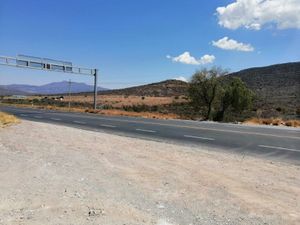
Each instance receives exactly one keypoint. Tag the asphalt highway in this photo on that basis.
(273, 142)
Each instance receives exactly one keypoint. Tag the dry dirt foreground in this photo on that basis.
(58, 175)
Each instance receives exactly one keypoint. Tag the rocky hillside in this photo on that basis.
(276, 85)
(161, 89)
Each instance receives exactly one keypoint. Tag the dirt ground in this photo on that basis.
(118, 100)
(121, 100)
(58, 175)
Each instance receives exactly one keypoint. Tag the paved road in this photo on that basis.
(279, 143)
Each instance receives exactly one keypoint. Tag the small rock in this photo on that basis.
(95, 212)
(160, 206)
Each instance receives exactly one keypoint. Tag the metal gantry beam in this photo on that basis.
(30, 62)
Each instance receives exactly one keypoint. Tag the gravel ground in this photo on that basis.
(59, 175)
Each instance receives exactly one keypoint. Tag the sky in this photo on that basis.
(135, 42)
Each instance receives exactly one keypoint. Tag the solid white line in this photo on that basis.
(79, 122)
(57, 119)
(107, 125)
(148, 131)
(23, 115)
(279, 148)
(197, 137)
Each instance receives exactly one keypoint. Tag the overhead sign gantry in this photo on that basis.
(31, 62)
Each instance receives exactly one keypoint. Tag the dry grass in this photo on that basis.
(118, 101)
(6, 119)
(293, 123)
(274, 122)
(115, 112)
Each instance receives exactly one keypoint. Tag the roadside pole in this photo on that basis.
(95, 88)
(69, 105)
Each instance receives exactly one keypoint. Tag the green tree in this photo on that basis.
(211, 91)
(236, 96)
(204, 89)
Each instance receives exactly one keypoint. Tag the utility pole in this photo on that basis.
(69, 95)
(95, 88)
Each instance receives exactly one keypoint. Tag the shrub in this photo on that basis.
(267, 121)
(107, 106)
(289, 123)
(276, 122)
(6, 119)
(292, 123)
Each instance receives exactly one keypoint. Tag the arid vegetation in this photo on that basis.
(6, 119)
(273, 122)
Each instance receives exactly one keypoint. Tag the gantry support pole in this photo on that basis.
(95, 88)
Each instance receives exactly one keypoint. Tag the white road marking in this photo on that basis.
(195, 127)
(38, 117)
(148, 131)
(23, 115)
(197, 137)
(191, 127)
(107, 125)
(56, 119)
(279, 148)
(79, 122)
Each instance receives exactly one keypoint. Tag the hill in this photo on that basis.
(167, 88)
(47, 89)
(275, 86)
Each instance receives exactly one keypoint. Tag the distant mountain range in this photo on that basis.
(47, 89)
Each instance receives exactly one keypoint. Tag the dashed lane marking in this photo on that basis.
(148, 131)
(197, 137)
(107, 125)
(279, 148)
(56, 119)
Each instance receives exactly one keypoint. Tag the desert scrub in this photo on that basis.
(6, 119)
(274, 122)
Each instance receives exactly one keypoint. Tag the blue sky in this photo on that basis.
(129, 41)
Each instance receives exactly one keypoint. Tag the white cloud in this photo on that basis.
(181, 78)
(253, 14)
(230, 44)
(186, 58)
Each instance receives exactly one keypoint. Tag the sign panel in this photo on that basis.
(44, 63)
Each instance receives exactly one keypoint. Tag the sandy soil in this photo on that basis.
(58, 175)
